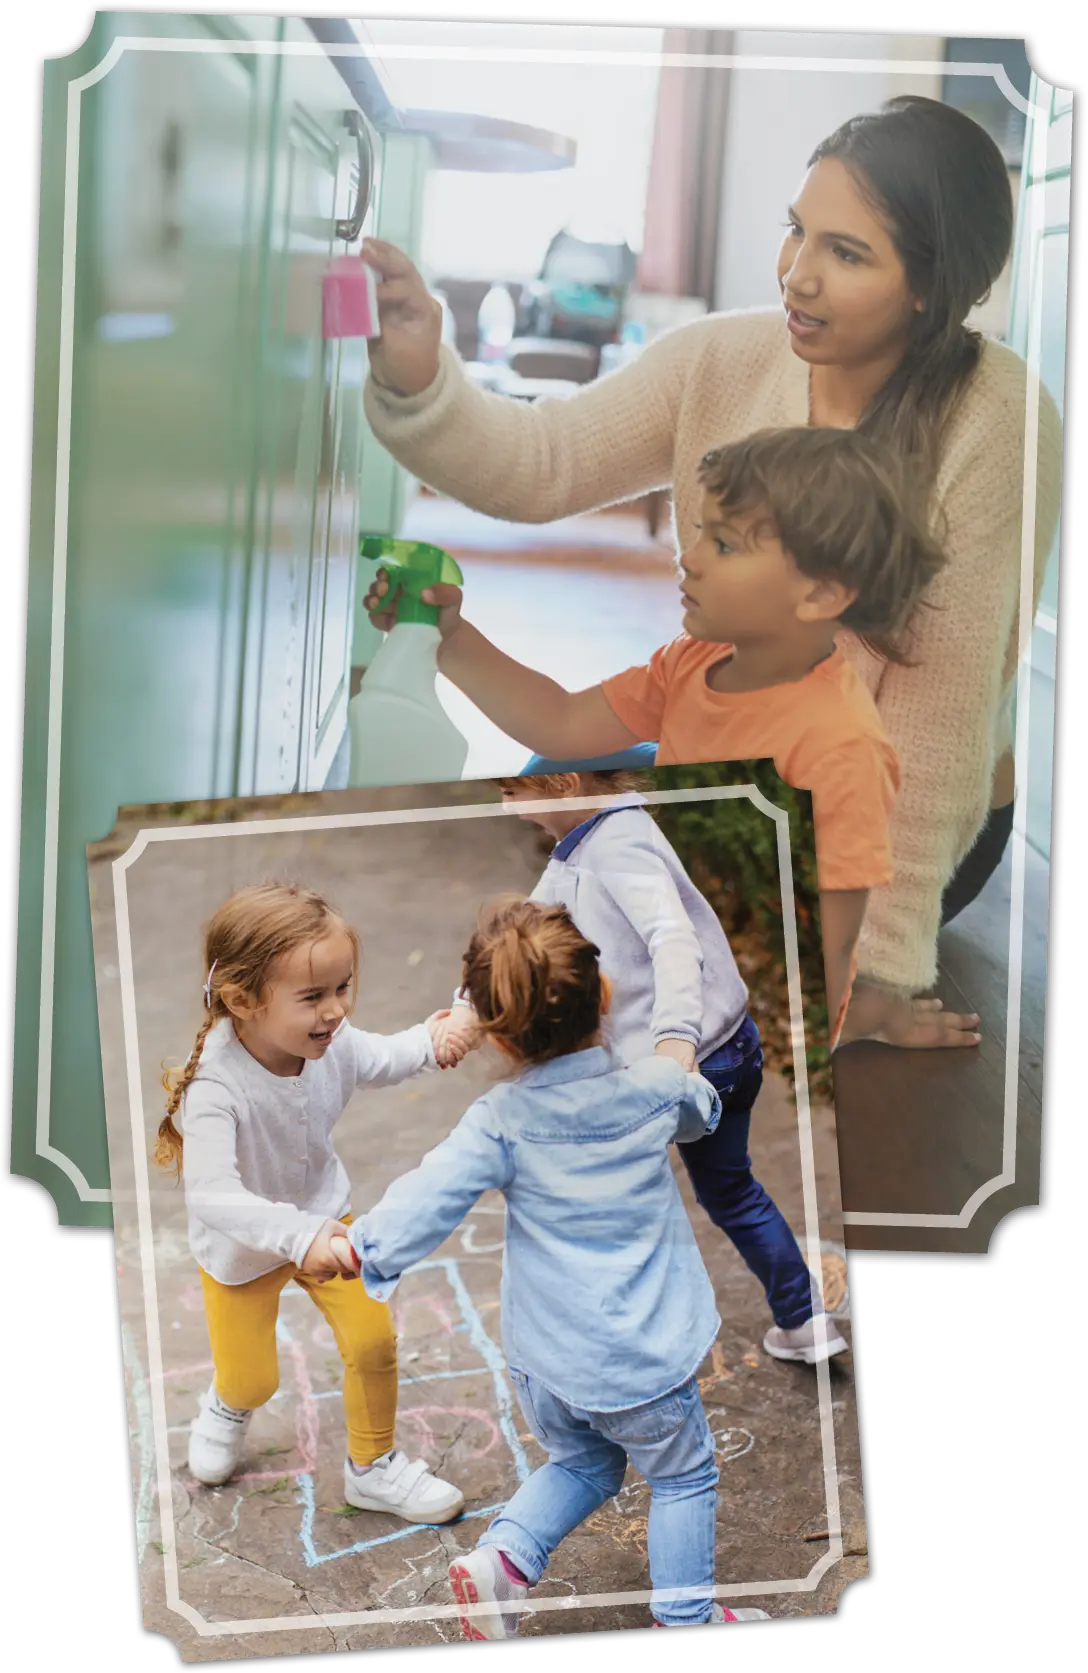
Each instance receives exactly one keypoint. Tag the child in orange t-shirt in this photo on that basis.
(804, 531)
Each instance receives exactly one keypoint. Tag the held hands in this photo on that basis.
(446, 596)
(450, 1040)
(404, 358)
(911, 1024)
(681, 1051)
(350, 1264)
(330, 1255)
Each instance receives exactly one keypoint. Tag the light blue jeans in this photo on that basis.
(668, 1441)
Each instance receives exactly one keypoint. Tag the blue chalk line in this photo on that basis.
(494, 1363)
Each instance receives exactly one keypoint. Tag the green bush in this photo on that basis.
(730, 850)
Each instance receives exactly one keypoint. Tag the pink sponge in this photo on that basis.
(349, 299)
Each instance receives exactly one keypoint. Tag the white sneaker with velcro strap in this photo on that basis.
(402, 1487)
(216, 1440)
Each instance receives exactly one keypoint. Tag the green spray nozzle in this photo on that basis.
(411, 566)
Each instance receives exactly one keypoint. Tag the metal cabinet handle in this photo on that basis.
(351, 228)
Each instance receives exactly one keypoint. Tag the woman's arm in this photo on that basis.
(841, 914)
(939, 714)
(527, 461)
(420, 1209)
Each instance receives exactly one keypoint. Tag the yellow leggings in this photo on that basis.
(242, 1328)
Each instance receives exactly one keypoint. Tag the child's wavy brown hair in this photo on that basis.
(619, 781)
(534, 981)
(244, 941)
(846, 510)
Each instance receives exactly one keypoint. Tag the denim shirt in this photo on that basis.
(605, 1298)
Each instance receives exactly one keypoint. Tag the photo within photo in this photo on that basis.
(479, 1234)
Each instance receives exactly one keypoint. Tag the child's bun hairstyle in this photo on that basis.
(534, 980)
(252, 929)
(845, 510)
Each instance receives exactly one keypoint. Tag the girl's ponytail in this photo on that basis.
(534, 981)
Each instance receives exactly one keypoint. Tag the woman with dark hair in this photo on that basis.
(901, 225)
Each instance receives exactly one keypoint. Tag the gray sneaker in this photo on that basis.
(720, 1616)
(481, 1578)
(800, 1343)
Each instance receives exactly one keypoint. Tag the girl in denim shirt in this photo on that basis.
(607, 1308)
(678, 993)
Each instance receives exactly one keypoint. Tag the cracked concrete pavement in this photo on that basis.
(275, 1562)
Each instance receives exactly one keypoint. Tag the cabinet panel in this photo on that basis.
(302, 578)
(291, 379)
(336, 524)
(385, 485)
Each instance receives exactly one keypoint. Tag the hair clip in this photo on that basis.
(208, 986)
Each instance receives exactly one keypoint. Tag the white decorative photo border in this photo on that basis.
(1036, 115)
(154, 1478)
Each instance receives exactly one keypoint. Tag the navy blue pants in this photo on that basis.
(721, 1173)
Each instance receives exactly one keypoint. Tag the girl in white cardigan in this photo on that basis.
(274, 1064)
(900, 226)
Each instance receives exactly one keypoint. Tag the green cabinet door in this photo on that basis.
(161, 191)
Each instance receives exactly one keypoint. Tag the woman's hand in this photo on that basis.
(322, 1261)
(912, 1024)
(445, 596)
(404, 358)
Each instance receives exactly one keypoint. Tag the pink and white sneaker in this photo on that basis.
(482, 1578)
(721, 1616)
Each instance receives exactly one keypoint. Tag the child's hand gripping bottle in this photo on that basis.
(400, 733)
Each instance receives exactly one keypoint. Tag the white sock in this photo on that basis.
(233, 1414)
(361, 1469)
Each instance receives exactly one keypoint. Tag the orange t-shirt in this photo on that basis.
(822, 732)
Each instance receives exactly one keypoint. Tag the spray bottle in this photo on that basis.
(400, 733)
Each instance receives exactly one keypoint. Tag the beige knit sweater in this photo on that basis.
(712, 382)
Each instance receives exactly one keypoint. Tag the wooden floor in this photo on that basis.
(919, 1133)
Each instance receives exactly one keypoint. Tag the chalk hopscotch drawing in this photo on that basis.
(623, 1520)
(468, 1233)
(496, 1426)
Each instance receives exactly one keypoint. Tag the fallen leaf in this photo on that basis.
(273, 1487)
